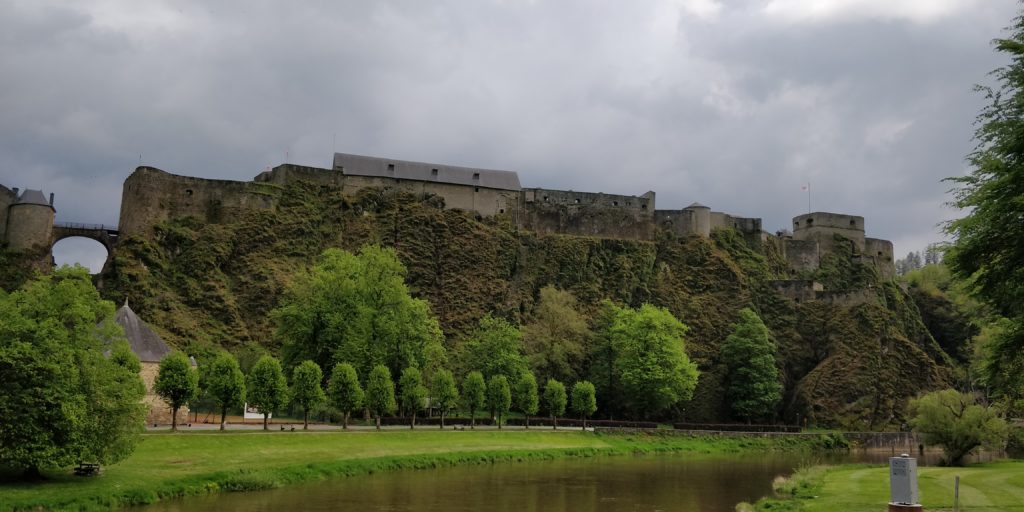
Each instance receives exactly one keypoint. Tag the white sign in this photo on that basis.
(252, 413)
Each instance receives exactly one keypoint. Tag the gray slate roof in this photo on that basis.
(143, 341)
(33, 197)
(357, 165)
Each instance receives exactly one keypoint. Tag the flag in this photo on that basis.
(803, 188)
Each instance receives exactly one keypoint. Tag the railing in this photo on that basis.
(84, 227)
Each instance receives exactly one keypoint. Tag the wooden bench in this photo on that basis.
(87, 469)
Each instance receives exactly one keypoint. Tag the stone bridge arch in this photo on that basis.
(105, 235)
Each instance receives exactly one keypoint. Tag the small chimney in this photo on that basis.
(51, 198)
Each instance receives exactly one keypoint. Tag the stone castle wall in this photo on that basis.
(29, 226)
(159, 410)
(7, 198)
(548, 211)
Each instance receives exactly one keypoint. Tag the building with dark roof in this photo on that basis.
(150, 349)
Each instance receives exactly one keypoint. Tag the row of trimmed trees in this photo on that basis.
(266, 389)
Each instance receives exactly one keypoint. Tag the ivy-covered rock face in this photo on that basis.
(204, 286)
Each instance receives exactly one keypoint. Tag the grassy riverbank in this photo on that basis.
(173, 465)
(991, 486)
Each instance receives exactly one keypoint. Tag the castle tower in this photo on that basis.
(701, 216)
(822, 226)
(30, 221)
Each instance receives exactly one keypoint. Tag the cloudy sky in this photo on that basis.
(733, 103)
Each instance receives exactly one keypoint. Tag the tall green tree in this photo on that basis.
(958, 423)
(344, 390)
(443, 393)
(584, 401)
(224, 383)
(62, 401)
(413, 393)
(177, 383)
(986, 250)
(602, 357)
(499, 397)
(526, 397)
(266, 387)
(494, 347)
(306, 389)
(650, 361)
(555, 336)
(380, 392)
(357, 308)
(474, 391)
(554, 400)
(754, 388)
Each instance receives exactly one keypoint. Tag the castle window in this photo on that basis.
(615, 203)
(501, 210)
(188, 192)
(577, 200)
(643, 207)
(391, 167)
(796, 224)
(545, 199)
(853, 223)
(879, 253)
(433, 172)
(476, 176)
(810, 222)
(476, 189)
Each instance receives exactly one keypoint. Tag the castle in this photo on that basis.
(151, 196)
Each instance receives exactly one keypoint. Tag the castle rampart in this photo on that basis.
(7, 198)
(30, 221)
(569, 212)
(821, 226)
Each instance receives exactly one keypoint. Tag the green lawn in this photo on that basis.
(988, 487)
(170, 465)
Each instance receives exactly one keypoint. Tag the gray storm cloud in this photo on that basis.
(733, 104)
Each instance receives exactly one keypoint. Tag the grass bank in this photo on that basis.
(856, 488)
(174, 465)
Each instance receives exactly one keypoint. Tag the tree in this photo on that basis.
(473, 394)
(555, 336)
(62, 401)
(380, 392)
(224, 382)
(526, 396)
(584, 401)
(177, 383)
(344, 390)
(602, 357)
(650, 362)
(494, 347)
(958, 423)
(754, 389)
(443, 393)
(306, 390)
(499, 397)
(554, 399)
(986, 250)
(413, 393)
(266, 387)
(357, 308)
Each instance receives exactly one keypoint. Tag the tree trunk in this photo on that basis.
(32, 474)
(378, 422)
(223, 417)
(472, 419)
(265, 418)
(442, 420)
(499, 422)
(527, 421)
(584, 423)
(554, 423)
(412, 421)
(344, 421)
(174, 419)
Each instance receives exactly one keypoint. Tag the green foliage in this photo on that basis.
(223, 381)
(306, 389)
(584, 401)
(266, 387)
(1001, 364)
(380, 392)
(121, 354)
(412, 391)
(958, 423)
(177, 383)
(344, 390)
(749, 353)
(499, 397)
(555, 336)
(62, 401)
(494, 348)
(526, 399)
(650, 362)
(443, 393)
(357, 308)
(474, 391)
(554, 398)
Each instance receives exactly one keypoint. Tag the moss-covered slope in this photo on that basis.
(851, 360)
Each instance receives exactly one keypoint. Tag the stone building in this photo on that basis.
(150, 349)
(26, 220)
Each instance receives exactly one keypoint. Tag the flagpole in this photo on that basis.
(808, 197)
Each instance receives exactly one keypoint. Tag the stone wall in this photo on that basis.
(7, 198)
(29, 226)
(487, 202)
(882, 253)
(822, 226)
(801, 255)
(159, 410)
(547, 211)
(799, 290)
(151, 196)
(678, 222)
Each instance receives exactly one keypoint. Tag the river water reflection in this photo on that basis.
(649, 483)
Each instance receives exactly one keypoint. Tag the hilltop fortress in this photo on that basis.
(151, 196)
